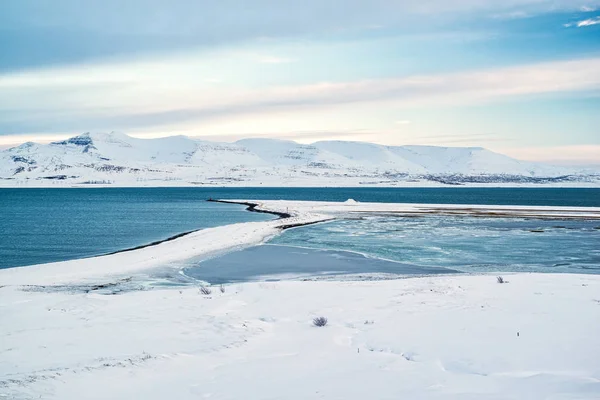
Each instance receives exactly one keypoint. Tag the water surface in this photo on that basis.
(45, 225)
(466, 244)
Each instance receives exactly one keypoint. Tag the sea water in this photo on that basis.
(46, 225)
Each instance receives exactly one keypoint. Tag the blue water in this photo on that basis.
(489, 196)
(464, 244)
(387, 247)
(498, 196)
(46, 225)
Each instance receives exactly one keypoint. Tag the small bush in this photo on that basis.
(222, 289)
(204, 290)
(500, 279)
(320, 321)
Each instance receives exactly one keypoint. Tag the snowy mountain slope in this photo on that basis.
(472, 160)
(287, 152)
(371, 155)
(115, 158)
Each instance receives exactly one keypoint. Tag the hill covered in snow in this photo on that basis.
(118, 159)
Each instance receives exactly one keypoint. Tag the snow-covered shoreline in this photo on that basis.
(442, 337)
(204, 242)
(230, 237)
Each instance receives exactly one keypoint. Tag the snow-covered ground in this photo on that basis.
(464, 337)
(445, 337)
(355, 208)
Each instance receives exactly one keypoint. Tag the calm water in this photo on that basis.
(377, 247)
(45, 225)
(464, 244)
(490, 196)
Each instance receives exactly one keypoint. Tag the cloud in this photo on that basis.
(37, 33)
(589, 22)
(123, 97)
(576, 155)
(518, 14)
(584, 23)
(308, 136)
(275, 60)
(464, 138)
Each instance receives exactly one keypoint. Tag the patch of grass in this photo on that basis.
(500, 279)
(205, 290)
(320, 321)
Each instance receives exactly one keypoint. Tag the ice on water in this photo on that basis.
(465, 244)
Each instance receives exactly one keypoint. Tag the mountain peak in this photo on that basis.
(117, 158)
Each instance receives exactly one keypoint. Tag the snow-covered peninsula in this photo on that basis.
(115, 159)
(78, 329)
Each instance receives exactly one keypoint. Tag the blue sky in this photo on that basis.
(518, 76)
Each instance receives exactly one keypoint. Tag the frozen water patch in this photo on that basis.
(269, 262)
(461, 243)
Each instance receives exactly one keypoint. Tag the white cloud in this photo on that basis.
(518, 14)
(584, 23)
(472, 86)
(275, 60)
(589, 22)
(128, 97)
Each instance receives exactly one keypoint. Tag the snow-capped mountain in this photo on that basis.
(118, 159)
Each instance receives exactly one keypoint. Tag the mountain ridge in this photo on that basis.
(119, 159)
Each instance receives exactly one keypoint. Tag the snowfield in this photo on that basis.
(465, 337)
(69, 332)
(115, 159)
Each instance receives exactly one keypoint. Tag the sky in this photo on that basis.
(521, 77)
